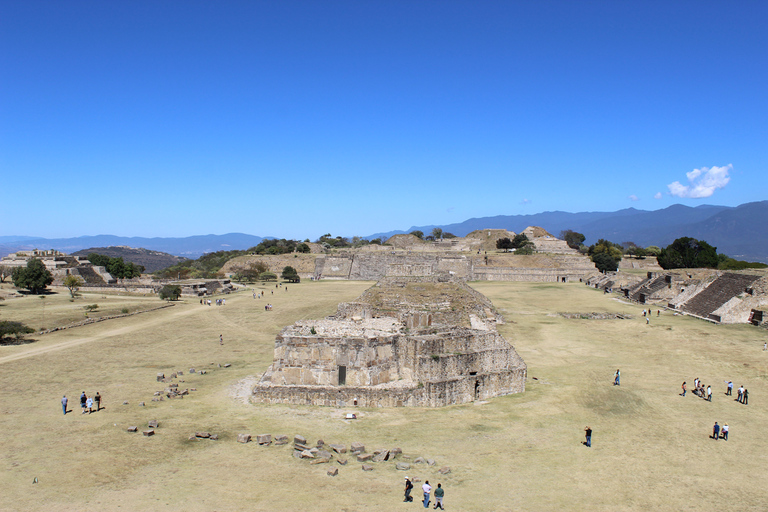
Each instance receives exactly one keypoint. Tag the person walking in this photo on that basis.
(83, 399)
(684, 389)
(97, 399)
(588, 436)
(729, 391)
(740, 394)
(745, 397)
(64, 404)
(617, 378)
(709, 393)
(716, 432)
(439, 493)
(426, 488)
(408, 489)
(89, 404)
(221, 339)
(725, 431)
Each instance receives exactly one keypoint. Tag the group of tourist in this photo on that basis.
(268, 307)
(219, 302)
(86, 403)
(427, 490)
(700, 391)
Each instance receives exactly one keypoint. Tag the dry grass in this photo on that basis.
(521, 452)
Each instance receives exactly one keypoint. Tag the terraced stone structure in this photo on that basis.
(404, 342)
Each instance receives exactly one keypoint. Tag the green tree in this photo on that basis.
(170, 292)
(504, 243)
(302, 247)
(449, 235)
(267, 276)
(17, 329)
(572, 238)
(653, 250)
(289, 274)
(614, 250)
(604, 262)
(417, 234)
(520, 240)
(5, 272)
(34, 277)
(437, 233)
(688, 252)
(73, 283)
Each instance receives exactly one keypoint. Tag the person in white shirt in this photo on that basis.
(427, 489)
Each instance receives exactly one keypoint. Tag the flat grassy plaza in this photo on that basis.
(650, 448)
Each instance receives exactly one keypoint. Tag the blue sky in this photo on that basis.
(294, 119)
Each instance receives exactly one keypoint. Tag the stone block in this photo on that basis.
(301, 447)
(160, 377)
(243, 438)
(214, 437)
(357, 448)
(321, 460)
(431, 462)
(264, 439)
(149, 433)
(320, 443)
(367, 467)
(299, 440)
(343, 462)
(306, 454)
(395, 452)
(153, 424)
(444, 470)
(203, 435)
(402, 466)
(281, 440)
(420, 460)
(191, 370)
(364, 457)
(339, 448)
(324, 454)
(141, 404)
(333, 472)
(382, 456)
(133, 429)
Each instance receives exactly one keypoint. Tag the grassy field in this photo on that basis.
(650, 451)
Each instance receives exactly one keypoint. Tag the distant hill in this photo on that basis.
(150, 260)
(740, 232)
(188, 247)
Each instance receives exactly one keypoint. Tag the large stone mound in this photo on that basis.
(404, 241)
(403, 343)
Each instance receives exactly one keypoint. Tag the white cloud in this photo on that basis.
(657, 195)
(703, 182)
(525, 201)
(634, 197)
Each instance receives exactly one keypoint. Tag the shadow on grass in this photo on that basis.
(4, 342)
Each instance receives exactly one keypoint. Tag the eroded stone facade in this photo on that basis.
(402, 343)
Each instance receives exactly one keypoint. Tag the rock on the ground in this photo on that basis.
(281, 440)
(431, 462)
(333, 472)
(297, 439)
(153, 424)
(264, 439)
(133, 429)
(358, 447)
(367, 467)
(402, 466)
(420, 460)
(243, 438)
(306, 454)
(444, 470)
(381, 456)
(204, 435)
(364, 457)
(339, 448)
(343, 462)
(149, 433)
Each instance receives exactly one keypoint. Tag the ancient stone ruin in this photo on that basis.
(405, 342)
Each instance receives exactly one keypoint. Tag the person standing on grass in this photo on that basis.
(716, 432)
(725, 431)
(684, 389)
(740, 394)
(617, 378)
(729, 391)
(89, 404)
(64, 404)
(745, 397)
(439, 493)
(83, 399)
(426, 488)
(709, 393)
(408, 489)
(588, 436)
(97, 399)
(221, 339)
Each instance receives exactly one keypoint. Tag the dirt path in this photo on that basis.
(135, 326)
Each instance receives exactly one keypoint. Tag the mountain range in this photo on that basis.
(739, 231)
